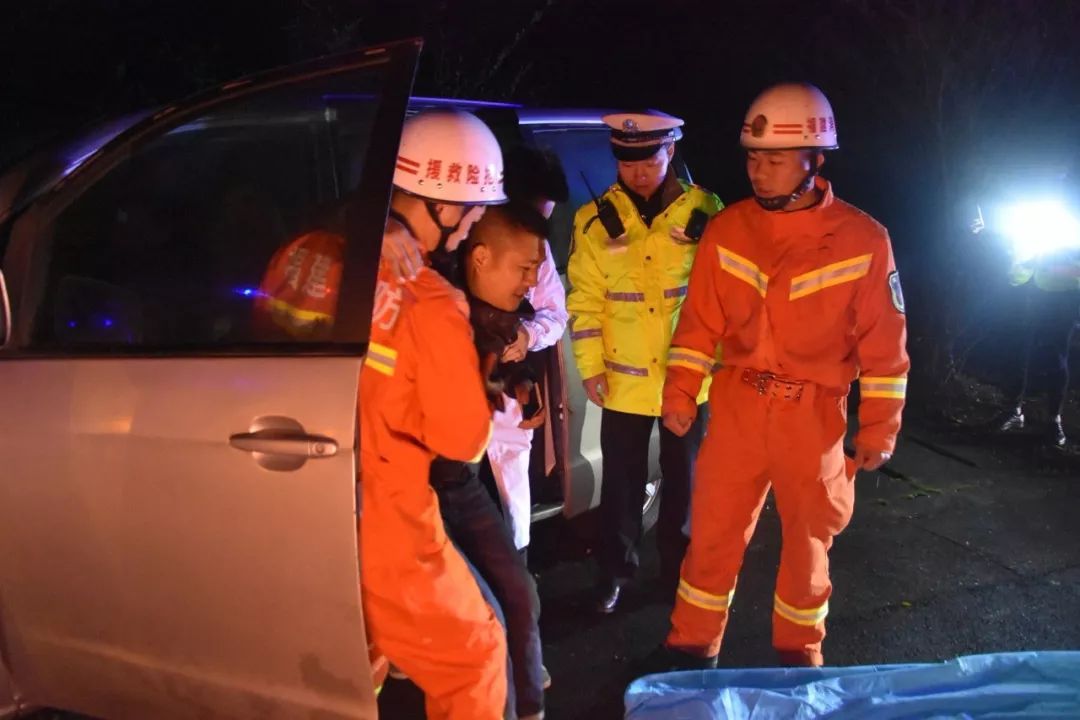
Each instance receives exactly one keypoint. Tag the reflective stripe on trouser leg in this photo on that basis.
(729, 491)
(812, 483)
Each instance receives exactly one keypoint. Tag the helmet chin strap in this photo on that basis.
(445, 261)
(779, 202)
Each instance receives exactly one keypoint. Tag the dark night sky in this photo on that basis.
(934, 98)
(67, 61)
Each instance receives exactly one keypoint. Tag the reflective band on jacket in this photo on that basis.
(298, 313)
(808, 617)
(704, 600)
(381, 358)
(830, 275)
(883, 387)
(625, 296)
(582, 334)
(690, 359)
(743, 269)
(626, 369)
(676, 292)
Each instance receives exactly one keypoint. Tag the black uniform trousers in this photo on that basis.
(624, 443)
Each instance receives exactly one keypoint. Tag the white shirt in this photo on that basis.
(548, 299)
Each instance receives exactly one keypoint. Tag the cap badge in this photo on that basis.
(757, 127)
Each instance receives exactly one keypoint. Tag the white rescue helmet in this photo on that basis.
(452, 157)
(790, 116)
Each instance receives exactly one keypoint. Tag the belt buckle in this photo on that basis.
(796, 391)
(762, 382)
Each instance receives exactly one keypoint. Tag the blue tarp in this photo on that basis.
(1008, 685)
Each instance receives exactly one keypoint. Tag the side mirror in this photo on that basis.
(5, 313)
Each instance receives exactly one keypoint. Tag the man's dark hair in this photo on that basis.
(502, 219)
(533, 175)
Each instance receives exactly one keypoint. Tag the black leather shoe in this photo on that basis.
(609, 597)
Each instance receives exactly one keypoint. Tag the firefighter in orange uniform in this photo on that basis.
(801, 291)
(421, 395)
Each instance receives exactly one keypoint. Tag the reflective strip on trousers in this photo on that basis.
(808, 617)
(704, 600)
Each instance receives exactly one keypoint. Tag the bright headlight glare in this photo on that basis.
(1039, 227)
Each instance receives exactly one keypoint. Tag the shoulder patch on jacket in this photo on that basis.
(896, 292)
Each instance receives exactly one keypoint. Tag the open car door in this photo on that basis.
(178, 496)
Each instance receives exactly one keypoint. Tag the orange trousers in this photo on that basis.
(792, 439)
(425, 612)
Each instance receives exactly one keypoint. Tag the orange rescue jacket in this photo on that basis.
(811, 295)
(421, 395)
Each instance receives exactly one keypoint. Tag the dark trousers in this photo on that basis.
(479, 530)
(1051, 321)
(624, 443)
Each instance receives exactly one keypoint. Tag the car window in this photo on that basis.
(581, 150)
(171, 249)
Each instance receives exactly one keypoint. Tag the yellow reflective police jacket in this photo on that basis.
(626, 294)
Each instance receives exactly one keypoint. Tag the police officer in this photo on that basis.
(633, 249)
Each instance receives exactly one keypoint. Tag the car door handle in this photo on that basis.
(287, 444)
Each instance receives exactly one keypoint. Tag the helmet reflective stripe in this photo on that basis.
(790, 116)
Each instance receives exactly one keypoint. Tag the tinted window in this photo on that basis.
(169, 249)
(581, 151)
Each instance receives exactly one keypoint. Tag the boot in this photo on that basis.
(665, 659)
(799, 658)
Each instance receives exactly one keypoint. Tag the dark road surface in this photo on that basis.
(958, 548)
(971, 545)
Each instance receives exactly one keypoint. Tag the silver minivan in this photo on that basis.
(178, 510)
